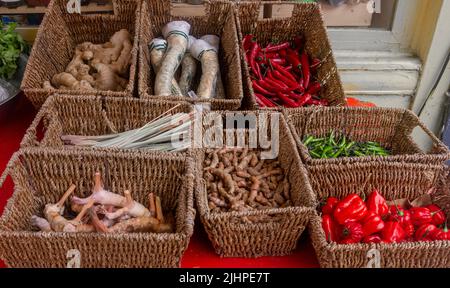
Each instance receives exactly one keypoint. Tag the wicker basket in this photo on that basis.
(392, 128)
(65, 114)
(394, 181)
(306, 20)
(58, 35)
(232, 238)
(41, 176)
(218, 20)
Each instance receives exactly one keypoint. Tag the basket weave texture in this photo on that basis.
(61, 31)
(219, 20)
(41, 176)
(394, 181)
(306, 20)
(93, 115)
(233, 238)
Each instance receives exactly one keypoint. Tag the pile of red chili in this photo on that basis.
(352, 220)
(283, 74)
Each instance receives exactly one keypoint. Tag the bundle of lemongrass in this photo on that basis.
(165, 133)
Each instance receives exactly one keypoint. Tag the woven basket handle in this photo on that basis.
(164, 7)
(8, 168)
(30, 138)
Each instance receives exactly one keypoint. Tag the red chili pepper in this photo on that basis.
(328, 208)
(351, 209)
(266, 102)
(278, 47)
(305, 69)
(420, 216)
(247, 42)
(293, 58)
(288, 102)
(261, 90)
(273, 86)
(306, 98)
(393, 232)
(253, 52)
(377, 204)
(283, 71)
(315, 63)
(437, 214)
(426, 232)
(372, 239)
(442, 234)
(330, 228)
(372, 224)
(279, 61)
(314, 88)
(282, 53)
(352, 232)
(292, 84)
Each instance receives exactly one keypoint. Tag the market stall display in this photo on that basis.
(304, 27)
(170, 178)
(211, 39)
(50, 57)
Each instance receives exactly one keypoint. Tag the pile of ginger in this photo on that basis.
(237, 179)
(97, 66)
(104, 211)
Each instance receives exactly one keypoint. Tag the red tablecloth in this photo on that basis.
(199, 253)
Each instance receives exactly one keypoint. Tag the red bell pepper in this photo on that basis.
(377, 204)
(351, 209)
(420, 216)
(393, 232)
(330, 228)
(372, 224)
(328, 208)
(372, 239)
(437, 214)
(426, 232)
(398, 214)
(442, 234)
(352, 232)
(409, 229)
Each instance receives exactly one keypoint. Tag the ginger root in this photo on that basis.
(97, 66)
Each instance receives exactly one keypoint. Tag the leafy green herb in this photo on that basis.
(11, 45)
(333, 146)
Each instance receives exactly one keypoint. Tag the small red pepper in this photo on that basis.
(437, 214)
(288, 102)
(264, 100)
(372, 239)
(276, 48)
(351, 209)
(293, 58)
(283, 71)
(261, 90)
(352, 232)
(314, 88)
(316, 102)
(377, 204)
(420, 216)
(252, 58)
(280, 77)
(398, 214)
(298, 42)
(426, 232)
(442, 234)
(305, 69)
(372, 224)
(304, 100)
(315, 63)
(328, 208)
(409, 229)
(279, 61)
(330, 228)
(393, 232)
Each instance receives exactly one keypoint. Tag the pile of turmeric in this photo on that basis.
(97, 66)
(103, 211)
(237, 179)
